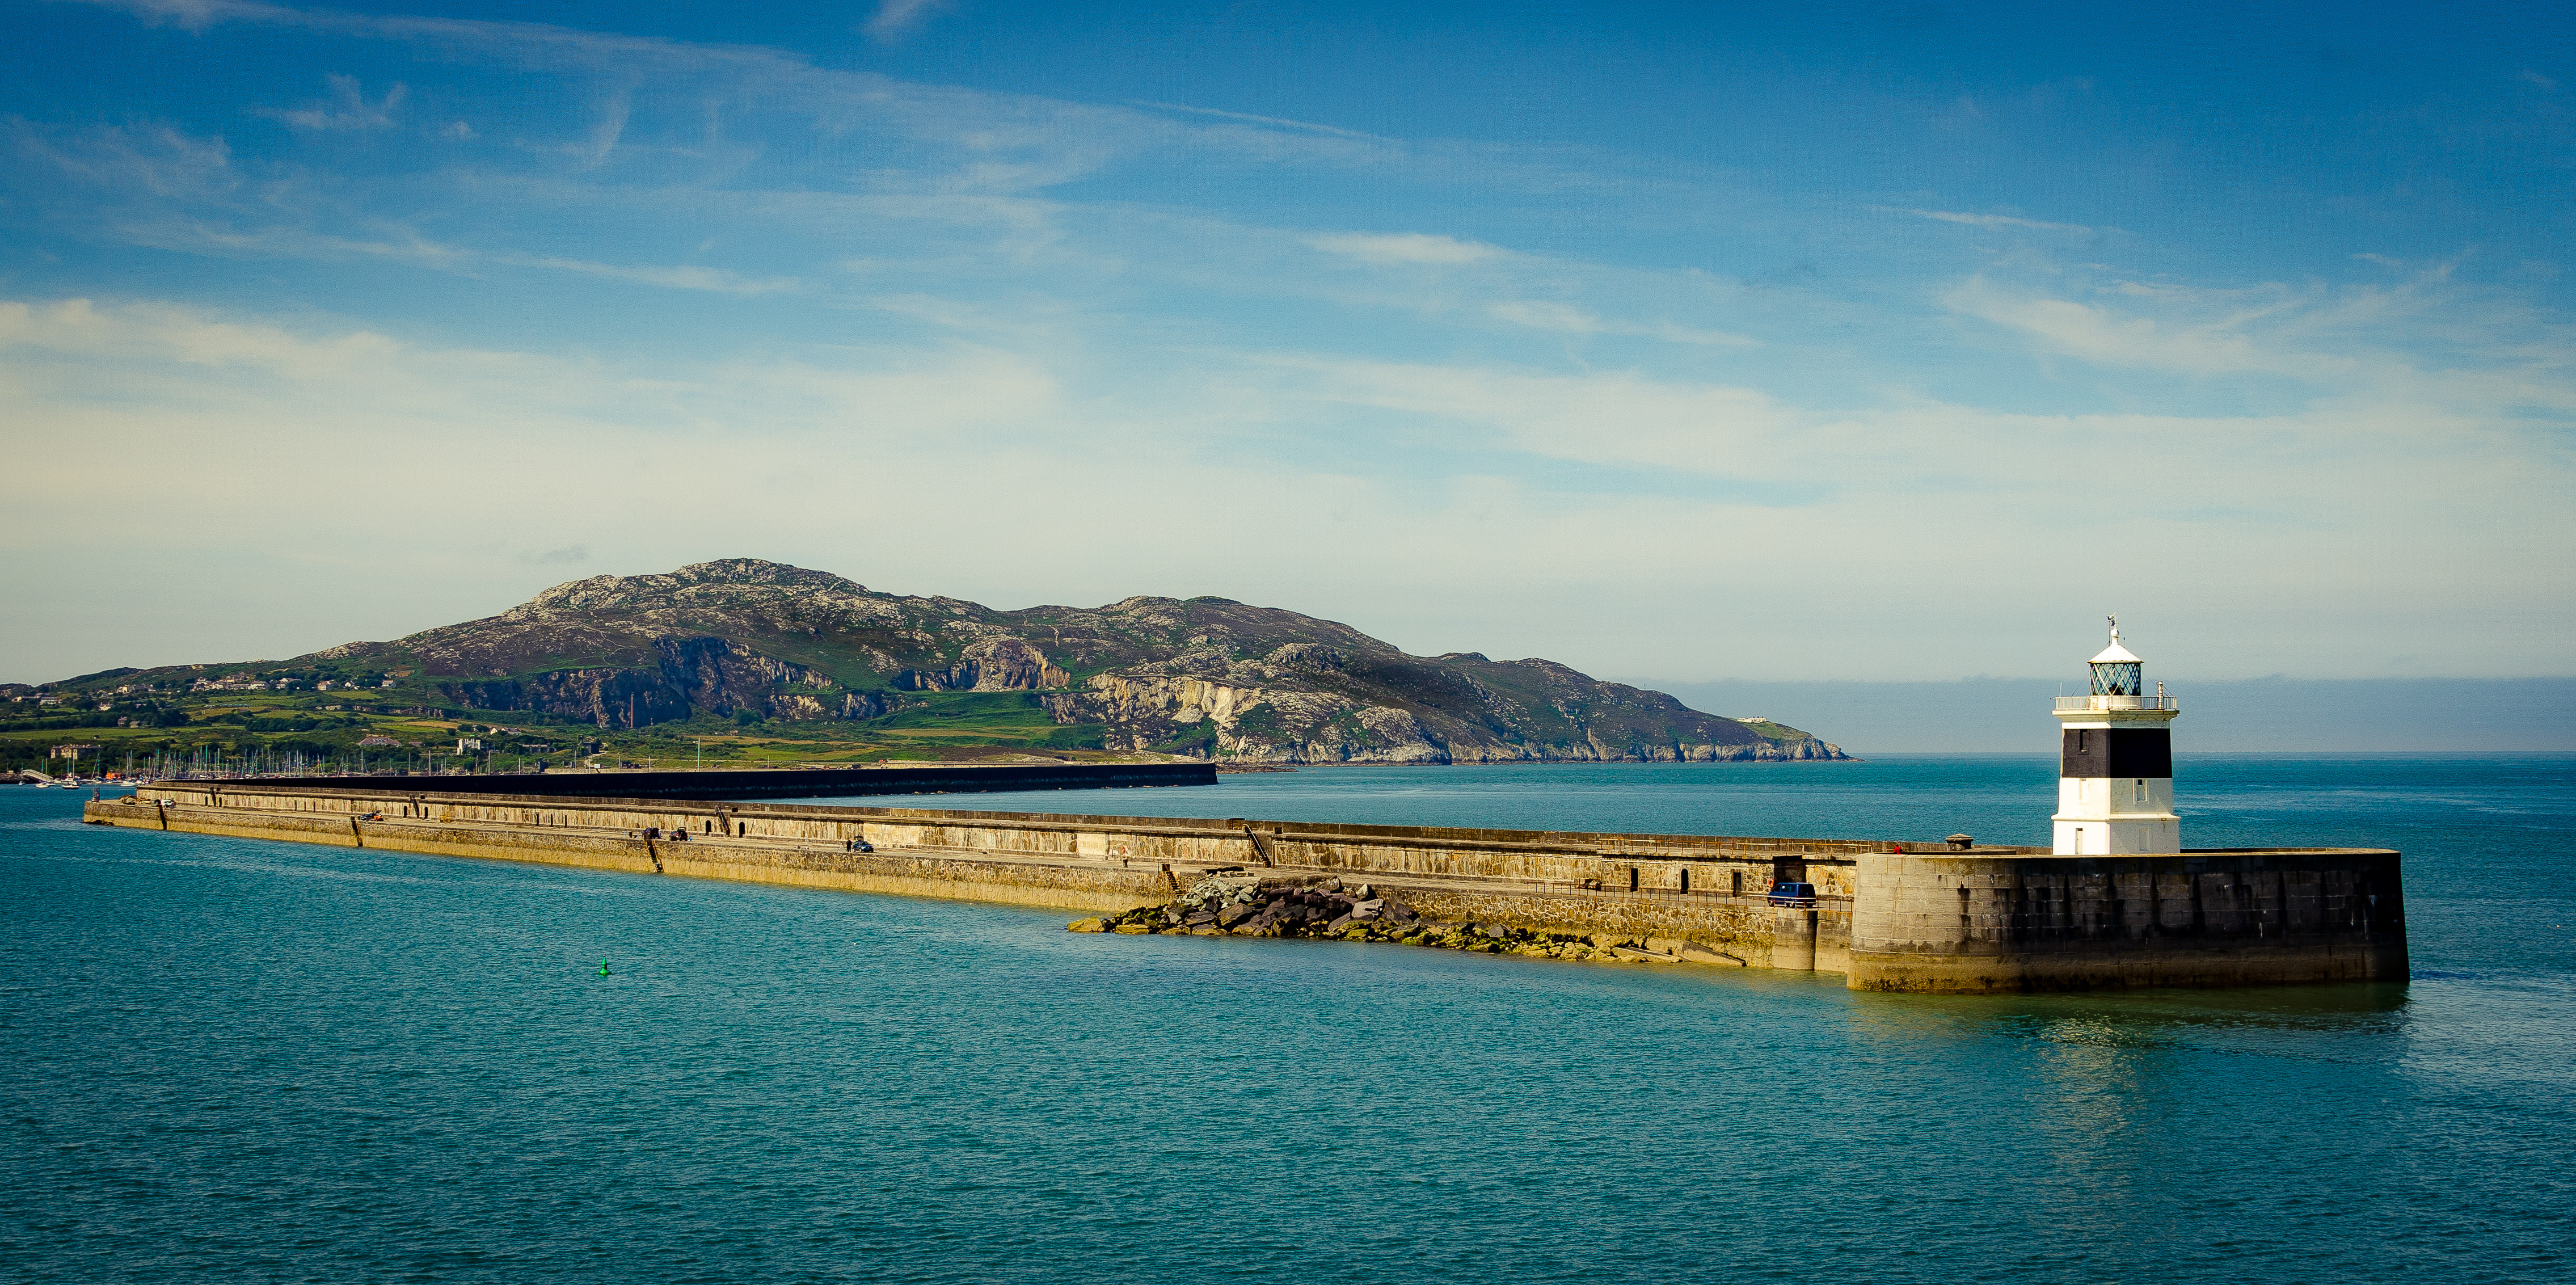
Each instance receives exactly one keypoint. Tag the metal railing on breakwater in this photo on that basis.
(783, 783)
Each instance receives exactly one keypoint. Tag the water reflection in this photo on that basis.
(2247, 1019)
(2508, 1030)
(2102, 1101)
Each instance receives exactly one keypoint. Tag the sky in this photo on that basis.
(1877, 342)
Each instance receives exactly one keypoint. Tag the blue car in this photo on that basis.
(1797, 895)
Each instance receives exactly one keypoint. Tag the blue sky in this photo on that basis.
(1871, 342)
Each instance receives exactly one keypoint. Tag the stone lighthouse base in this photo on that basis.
(1973, 922)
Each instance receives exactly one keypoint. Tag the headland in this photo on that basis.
(743, 663)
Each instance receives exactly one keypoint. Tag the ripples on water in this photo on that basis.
(241, 1060)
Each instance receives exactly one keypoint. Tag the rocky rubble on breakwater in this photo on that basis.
(1243, 905)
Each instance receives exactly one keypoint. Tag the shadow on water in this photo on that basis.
(2138, 1019)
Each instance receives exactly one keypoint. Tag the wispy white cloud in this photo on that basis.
(192, 199)
(1280, 121)
(895, 17)
(214, 362)
(1615, 417)
(1405, 248)
(1567, 319)
(678, 277)
(594, 151)
(1990, 221)
(1546, 316)
(2449, 353)
(148, 160)
(2100, 335)
(192, 15)
(349, 108)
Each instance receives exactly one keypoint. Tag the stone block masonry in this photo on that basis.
(2031, 922)
(2215, 917)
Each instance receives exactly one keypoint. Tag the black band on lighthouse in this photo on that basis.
(2116, 751)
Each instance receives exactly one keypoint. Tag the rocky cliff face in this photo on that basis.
(993, 665)
(716, 675)
(1206, 677)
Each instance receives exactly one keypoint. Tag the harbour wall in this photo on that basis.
(1677, 890)
(2213, 917)
(2027, 921)
(913, 873)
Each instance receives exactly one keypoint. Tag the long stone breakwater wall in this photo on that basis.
(1888, 916)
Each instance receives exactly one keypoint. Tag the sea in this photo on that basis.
(235, 1060)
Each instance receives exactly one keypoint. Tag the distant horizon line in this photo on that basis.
(2214, 754)
(1997, 678)
(1630, 681)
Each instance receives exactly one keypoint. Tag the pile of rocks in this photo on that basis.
(1247, 906)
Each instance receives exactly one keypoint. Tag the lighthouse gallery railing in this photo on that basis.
(2080, 703)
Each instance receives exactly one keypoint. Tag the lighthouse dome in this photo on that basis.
(2115, 654)
(2118, 671)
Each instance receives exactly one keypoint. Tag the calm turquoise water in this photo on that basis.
(250, 1061)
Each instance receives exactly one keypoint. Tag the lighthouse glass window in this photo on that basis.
(2119, 678)
(2142, 791)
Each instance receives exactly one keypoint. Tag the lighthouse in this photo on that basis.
(2115, 762)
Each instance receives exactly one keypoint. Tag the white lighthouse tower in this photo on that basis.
(2115, 762)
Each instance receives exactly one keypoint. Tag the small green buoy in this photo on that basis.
(603, 968)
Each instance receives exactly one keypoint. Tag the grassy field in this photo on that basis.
(304, 730)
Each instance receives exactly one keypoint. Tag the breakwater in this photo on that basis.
(1887, 915)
